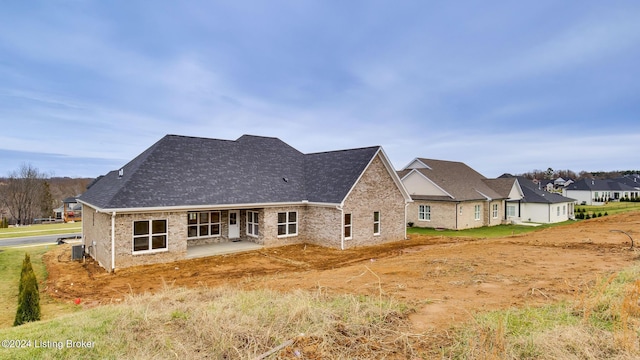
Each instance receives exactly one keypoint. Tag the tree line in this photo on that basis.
(27, 194)
(551, 174)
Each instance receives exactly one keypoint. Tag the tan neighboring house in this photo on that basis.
(183, 192)
(451, 195)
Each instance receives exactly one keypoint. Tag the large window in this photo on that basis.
(376, 223)
(252, 223)
(476, 212)
(495, 211)
(149, 235)
(202, 224)
(347, 227)
(424, 212)
(288, 223)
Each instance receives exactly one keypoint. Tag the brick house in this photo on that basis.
(187, 191)
(451, 195)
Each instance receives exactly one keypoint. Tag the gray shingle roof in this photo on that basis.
(189, 171)
(599, 185)
(532, 194)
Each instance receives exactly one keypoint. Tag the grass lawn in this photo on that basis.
(10, 267)
(610, 208)
(40, 229)
(484, 232)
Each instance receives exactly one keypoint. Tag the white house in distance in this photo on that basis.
(598, 192)
(540, 206)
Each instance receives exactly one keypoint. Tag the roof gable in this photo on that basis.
(456, 179)
(508, 188)
(418, 183)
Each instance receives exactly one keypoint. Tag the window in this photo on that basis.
(511, 210)
(252, 223)
(476, 212)
(495, 211)
(424, 212)
(149, 235)
(376, 223)
(201, 224)
(287, 223)
(558, 212)
(347, 226)
(564, 209)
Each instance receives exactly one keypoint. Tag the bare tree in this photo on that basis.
(23, 194)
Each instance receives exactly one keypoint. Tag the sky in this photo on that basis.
(503, 86)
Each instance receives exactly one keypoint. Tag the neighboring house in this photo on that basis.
(598, 192)
(559, 182)
(71, 210)
(185, 191)
(451, 195)
(631, 181)
(540, 206)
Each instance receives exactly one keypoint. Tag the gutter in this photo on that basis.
(209, 207)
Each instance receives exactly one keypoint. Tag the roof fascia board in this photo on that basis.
(431, 181)
(517, 183)
(483, 195)
(394, 175)
(418, 160)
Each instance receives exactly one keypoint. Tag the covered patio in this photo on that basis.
(230, 247)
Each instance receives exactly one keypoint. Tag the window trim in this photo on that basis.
(349, 226)
(253, 225)
(376, 222)
(495, 211)
(208, 224)
(149, 237)
(424, 215)
(287, 223)
(476, 212)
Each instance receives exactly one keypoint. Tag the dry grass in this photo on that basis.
(603, 323)
(225, 323)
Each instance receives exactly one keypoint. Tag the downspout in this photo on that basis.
(456, 215)
(113, 241)
(406, 205)
(339, 207)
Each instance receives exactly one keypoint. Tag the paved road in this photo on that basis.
(35, 240)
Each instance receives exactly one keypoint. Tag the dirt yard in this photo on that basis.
(446, 278)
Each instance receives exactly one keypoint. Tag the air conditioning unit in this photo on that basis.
(77, 252)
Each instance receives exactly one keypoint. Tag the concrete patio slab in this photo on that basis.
(221, 249)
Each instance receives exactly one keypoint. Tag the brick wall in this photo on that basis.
(269, 231)
(375, 191)
(96, 232)
(443, 214)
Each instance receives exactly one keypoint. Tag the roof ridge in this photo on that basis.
(352, 149)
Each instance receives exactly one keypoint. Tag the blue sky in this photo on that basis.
(504, 86)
